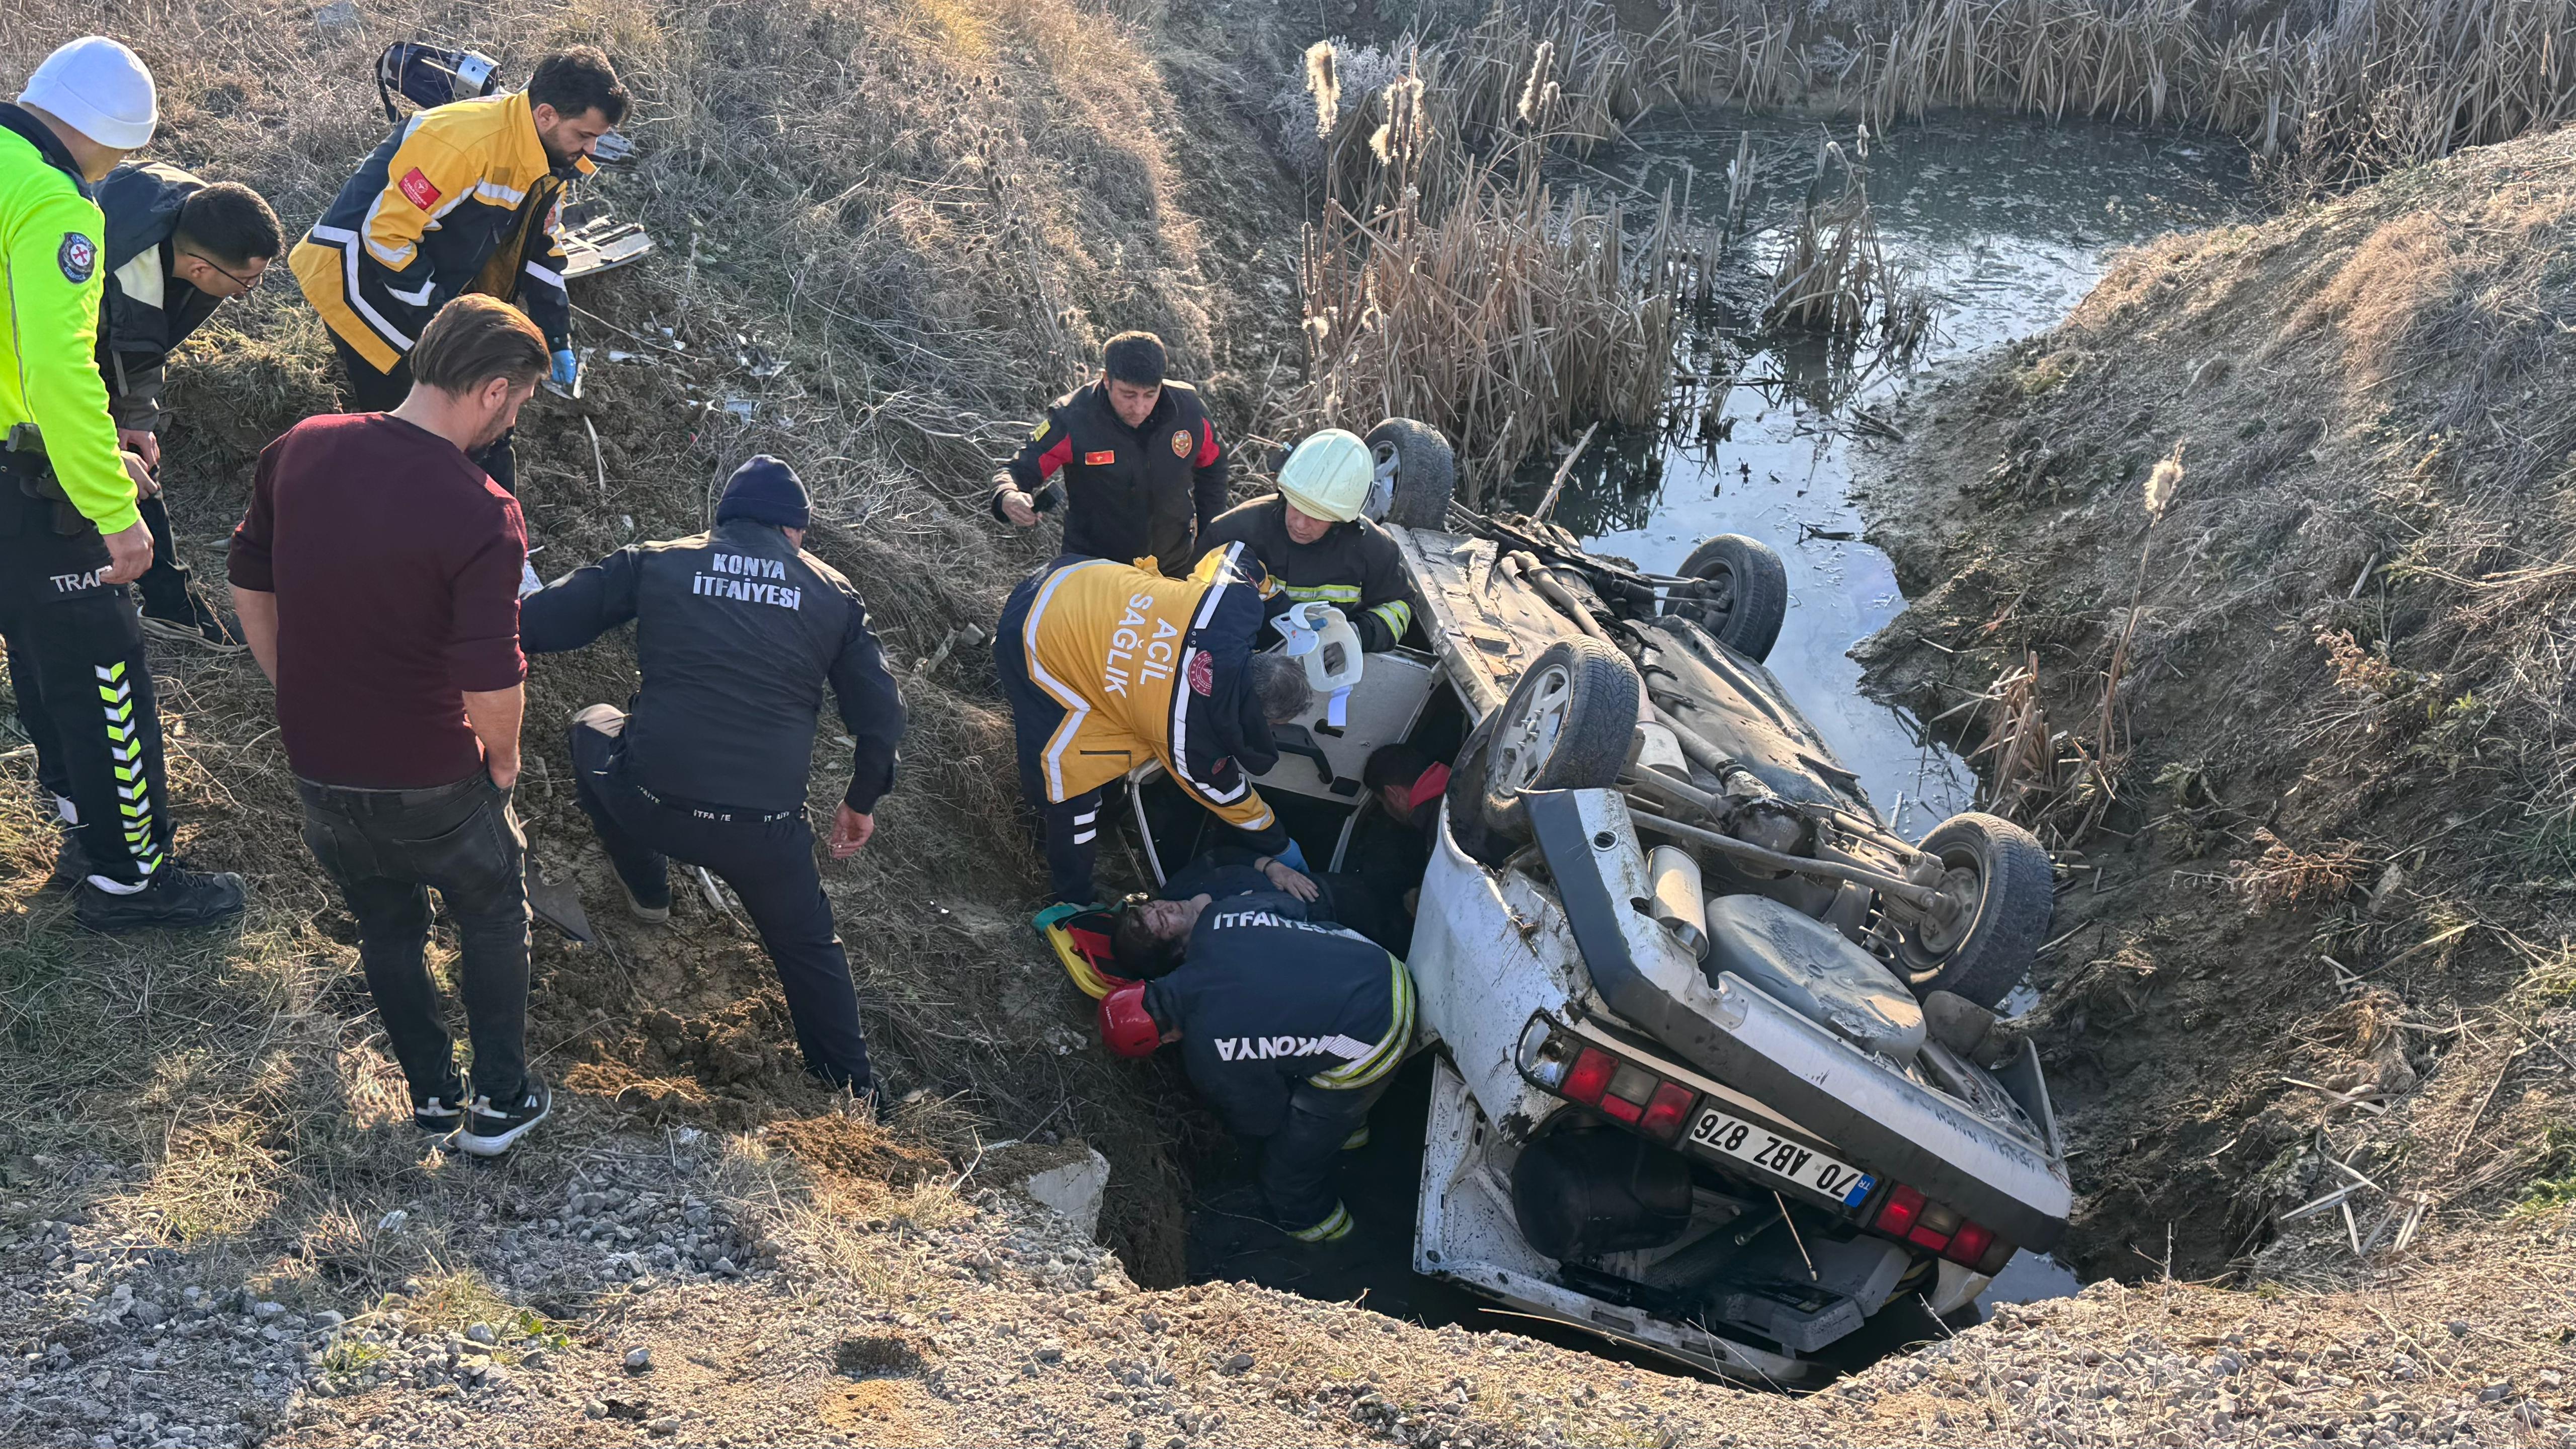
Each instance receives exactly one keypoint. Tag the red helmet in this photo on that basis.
(1125, 1026)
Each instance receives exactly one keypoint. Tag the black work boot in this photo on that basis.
(173, 898)
(188, 619)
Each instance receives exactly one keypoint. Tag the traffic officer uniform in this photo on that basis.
(1291, 1028)
(75, 647)
(1129, 493)
(149, 311)
(737, 631)
(1107, 667)
(460, 198)
(1354, 567)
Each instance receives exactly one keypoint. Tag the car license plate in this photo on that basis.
(1781, 1157)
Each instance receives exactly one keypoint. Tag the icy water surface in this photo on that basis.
(2008, 224)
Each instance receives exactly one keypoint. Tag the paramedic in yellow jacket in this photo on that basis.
(1108, 666)
(460, 198)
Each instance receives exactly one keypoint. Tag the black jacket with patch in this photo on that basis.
(148, 311)
(736, 633)
(1355, 567)
(1128, 493)
(1265, 999)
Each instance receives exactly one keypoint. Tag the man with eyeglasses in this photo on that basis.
(177, 249)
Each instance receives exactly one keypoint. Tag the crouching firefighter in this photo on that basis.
(1108, 667)
(1290, 1028)
(736, 633)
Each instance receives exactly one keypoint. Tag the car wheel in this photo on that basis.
(1567, 726)
(2002, 893)
(1742, 596)
(1417, 472)
(1466, 796)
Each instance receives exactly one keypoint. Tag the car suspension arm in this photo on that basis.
(1919, 897)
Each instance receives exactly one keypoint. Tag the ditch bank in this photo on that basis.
(2247, 588)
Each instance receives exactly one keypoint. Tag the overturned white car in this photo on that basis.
(1715, 1068)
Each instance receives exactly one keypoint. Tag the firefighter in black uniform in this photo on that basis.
(737, 631)
(1289, 1027)
(1317, 547)
(1132, 459)
(177, 249)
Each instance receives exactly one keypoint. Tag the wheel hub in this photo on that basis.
(1525, 742)
(1953, 910)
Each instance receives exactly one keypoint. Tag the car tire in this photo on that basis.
(1567, 726)
(1426, 472)
(2008, 887)
(1466, 797)
(1742, 596)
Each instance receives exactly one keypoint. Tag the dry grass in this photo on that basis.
(1832, 275)
(869, 191)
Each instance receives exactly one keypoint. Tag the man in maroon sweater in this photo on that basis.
(377, 577)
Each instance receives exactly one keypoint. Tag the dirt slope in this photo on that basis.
(2315, 887)
(889, 232)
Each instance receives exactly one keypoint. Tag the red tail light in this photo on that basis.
(1666, 1113)
(1590, 1076)
(1621, 1109)
(1933, 1226)
(1896, 1216)
(1968, 1245)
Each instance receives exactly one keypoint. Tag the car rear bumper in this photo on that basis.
(1885, 1121)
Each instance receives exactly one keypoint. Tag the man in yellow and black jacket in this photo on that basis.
(1108, 666)
(460, 198)
(70, 537)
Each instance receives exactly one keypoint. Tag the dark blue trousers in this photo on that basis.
(768, 859)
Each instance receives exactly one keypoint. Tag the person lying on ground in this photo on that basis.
(1130, 457)
(1108, 667)
(376, 574)
(1316, 547)
(177, 249)
(737, 631)
(1291, 1028)
(1146, 945)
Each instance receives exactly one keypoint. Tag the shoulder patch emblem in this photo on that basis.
(1180, 445)
(1040, 430)
(78, 257)
(417, 190)
(1202, 673)
(1101, 459)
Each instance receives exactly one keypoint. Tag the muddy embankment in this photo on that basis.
(2318, 845)
(890, 229)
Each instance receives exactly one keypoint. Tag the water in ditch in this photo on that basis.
(2008, 223)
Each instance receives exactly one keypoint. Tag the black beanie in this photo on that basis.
(765, 491)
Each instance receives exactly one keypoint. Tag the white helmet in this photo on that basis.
(1329, 475)
(99, 88)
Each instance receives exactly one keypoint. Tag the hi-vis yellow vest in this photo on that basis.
(1117, 646)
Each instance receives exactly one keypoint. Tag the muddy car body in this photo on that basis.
(1669, 958)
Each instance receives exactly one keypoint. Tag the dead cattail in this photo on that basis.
(1325, 86)
(1534, 91)
(2162, 480)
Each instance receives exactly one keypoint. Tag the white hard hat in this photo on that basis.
(1328, 476)
(99, 88)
